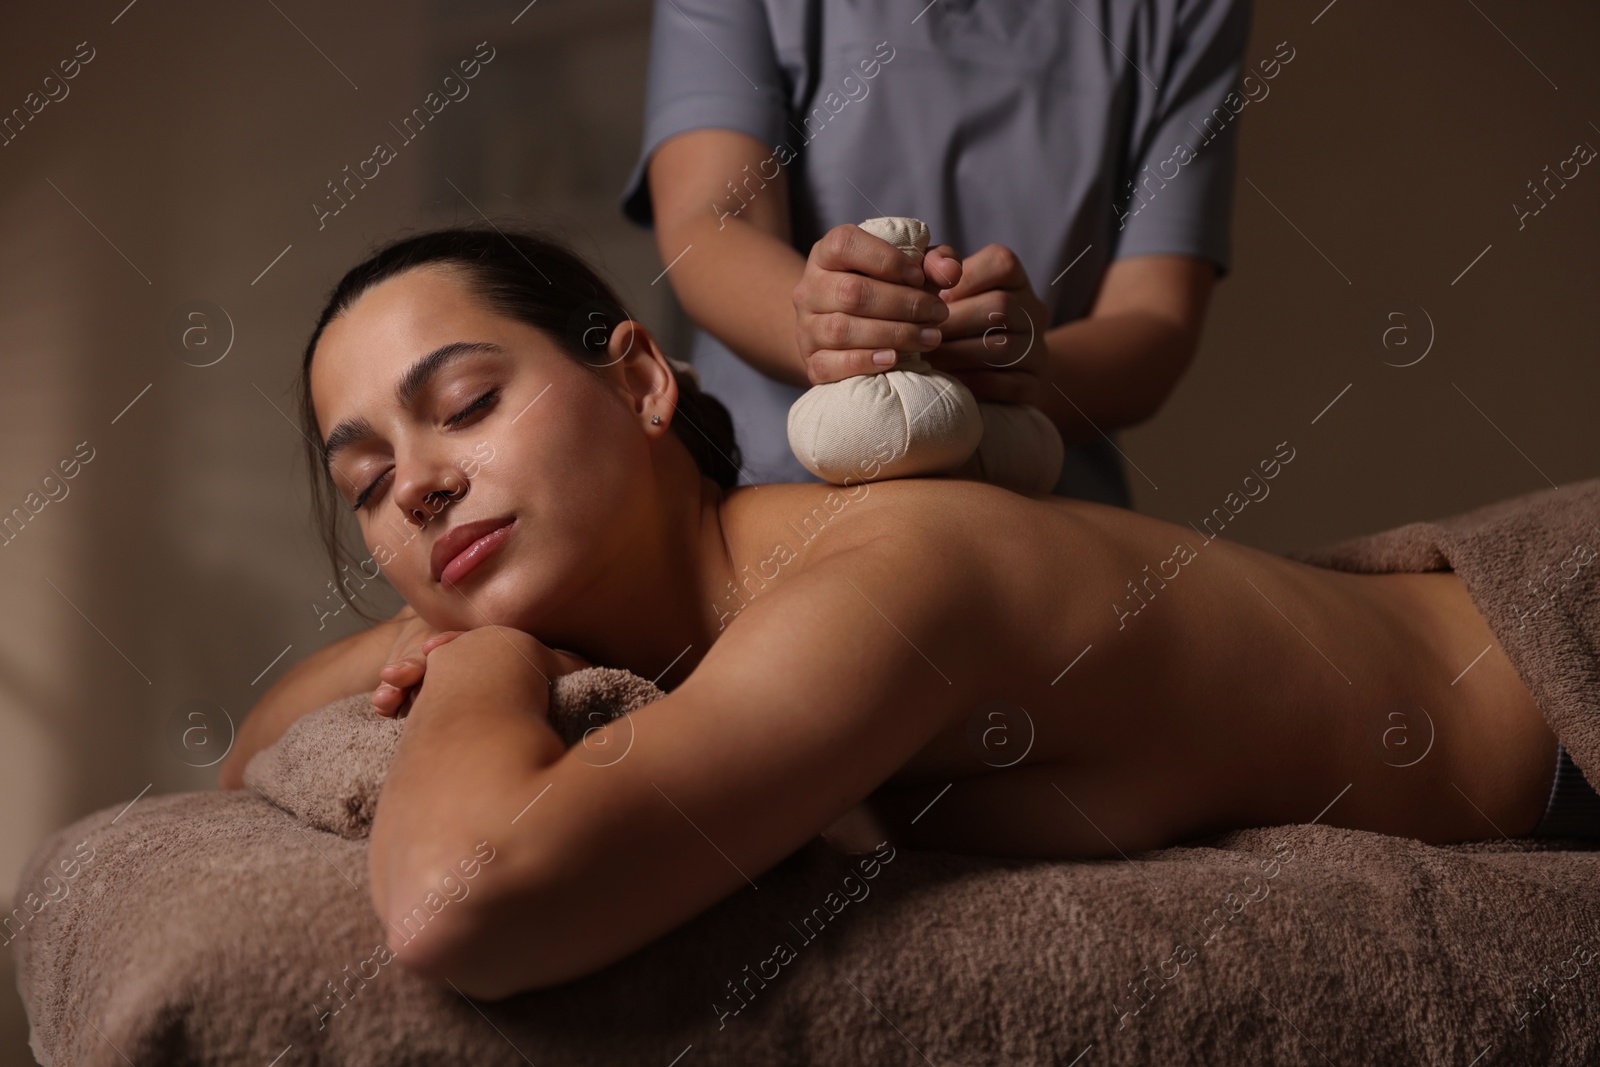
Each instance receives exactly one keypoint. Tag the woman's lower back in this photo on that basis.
(1151, 685)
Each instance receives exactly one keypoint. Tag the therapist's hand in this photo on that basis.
(861, 295)
(994, 338)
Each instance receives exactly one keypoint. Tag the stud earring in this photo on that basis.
(655, 420)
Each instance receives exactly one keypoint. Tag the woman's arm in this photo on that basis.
(478, 722)
(346, 667)
(819, 691)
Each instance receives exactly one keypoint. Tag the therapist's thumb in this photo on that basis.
(942, 267)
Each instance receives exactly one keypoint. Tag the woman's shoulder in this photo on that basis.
(816, 566)
(941, 525)
(818, 518)
(962, 574)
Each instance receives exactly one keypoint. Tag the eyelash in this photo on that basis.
(483, 401)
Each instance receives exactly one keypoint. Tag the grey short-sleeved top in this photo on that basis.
(1072, 133)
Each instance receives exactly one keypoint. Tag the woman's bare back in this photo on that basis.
(1150, 685)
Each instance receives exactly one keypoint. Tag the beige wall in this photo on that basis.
(180, 564)
(1384, 160)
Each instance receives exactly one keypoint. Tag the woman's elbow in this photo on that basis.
(230, 778)
(443, 955)
(487, 940)
(442, 946)
(470, 957)
(230, 774)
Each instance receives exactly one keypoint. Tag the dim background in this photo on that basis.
(183, 164)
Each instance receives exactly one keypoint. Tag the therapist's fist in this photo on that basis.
(994, 338)
(862, 297)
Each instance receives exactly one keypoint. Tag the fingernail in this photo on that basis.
(883, 357)
(928, 335)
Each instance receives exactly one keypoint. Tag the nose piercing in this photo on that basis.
(450, 495)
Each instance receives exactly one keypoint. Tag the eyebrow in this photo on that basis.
(411, 384)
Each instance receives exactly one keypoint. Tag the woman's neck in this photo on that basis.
(654, 611)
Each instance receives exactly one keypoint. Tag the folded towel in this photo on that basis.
(1527, 564)
(328, 767)
(215, 928)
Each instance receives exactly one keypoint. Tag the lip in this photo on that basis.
(466, 545)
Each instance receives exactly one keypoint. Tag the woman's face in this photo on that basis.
(447, 422)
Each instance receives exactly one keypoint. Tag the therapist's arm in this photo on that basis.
(1116, 366)
(733, 274)
(1113, 368)
(801, 320)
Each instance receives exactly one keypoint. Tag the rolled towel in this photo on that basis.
(328, 768)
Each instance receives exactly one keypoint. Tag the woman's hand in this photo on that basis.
(403, 675)
(860, 295)
(408, 660)
(500, 660)
(994, 337)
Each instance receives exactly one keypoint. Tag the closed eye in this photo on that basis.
(484, 401)
(361, 501)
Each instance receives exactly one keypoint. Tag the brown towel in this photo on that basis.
(1530, 565)
(328, 768)
(215, 928)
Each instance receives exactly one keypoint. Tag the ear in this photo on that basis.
(644, 375)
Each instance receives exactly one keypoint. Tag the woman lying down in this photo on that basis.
(547, 494)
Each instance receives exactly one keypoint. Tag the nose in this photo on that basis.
(424, 488)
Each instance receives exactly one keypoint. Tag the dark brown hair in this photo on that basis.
(535, 280)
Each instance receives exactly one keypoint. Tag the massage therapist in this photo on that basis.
(1074, 164)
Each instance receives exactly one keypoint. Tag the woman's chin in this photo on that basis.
(472, 605)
